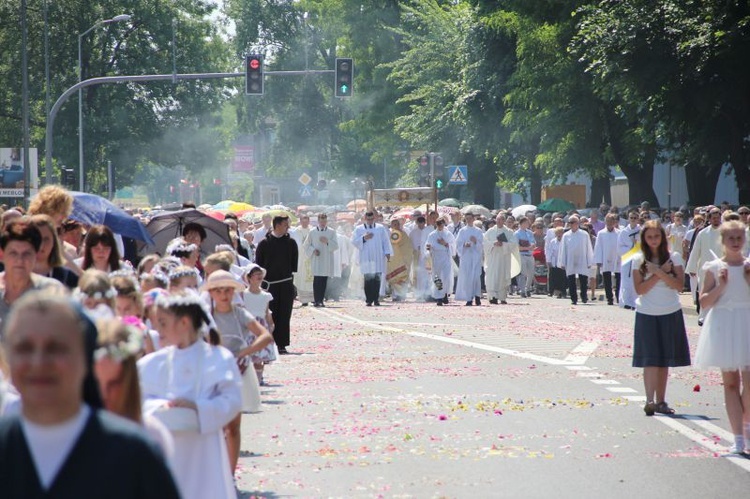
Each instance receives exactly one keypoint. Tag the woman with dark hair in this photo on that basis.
(101, 250)
(660, 338)
(20, 241)
(49, 258)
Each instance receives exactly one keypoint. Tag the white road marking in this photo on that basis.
(582, 352)
(604, 382)
(583, 374)
(445, 339)
(621, 389)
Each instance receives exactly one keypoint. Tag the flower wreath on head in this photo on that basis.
(176, 274)
(188, 298)
(181, 248)
(122, 349)
(97, 295)
(159, 276)
(129, 275)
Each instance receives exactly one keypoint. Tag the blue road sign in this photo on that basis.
(458, 175)
(305, 191)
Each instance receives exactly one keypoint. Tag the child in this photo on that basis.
(235, 323)
(256, 302)
(724, 341)
(96, 294)
(129, 305)
(660, 338)
(194, 388)
(181, 278)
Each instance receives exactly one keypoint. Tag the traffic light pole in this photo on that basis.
(141, 79)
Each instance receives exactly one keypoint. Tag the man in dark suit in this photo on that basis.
(58, 446)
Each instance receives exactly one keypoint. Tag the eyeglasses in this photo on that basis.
(633, 218)
(744, 212)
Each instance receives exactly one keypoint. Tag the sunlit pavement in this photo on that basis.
(529, 399)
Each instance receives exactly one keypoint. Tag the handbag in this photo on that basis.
(250, 391)
(179, 419)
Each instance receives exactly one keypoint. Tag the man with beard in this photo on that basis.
(441, 245)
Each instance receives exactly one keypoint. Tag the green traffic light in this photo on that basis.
(344, 89)
(439, 184)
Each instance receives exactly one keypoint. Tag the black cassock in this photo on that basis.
(111, 459)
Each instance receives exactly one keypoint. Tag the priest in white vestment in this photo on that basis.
(303, 279)
(500, 244)
(607, 257)
(374, 247)
(576, 257)
(320, 246)
(418, 236)
(441, 245)
(469, 246)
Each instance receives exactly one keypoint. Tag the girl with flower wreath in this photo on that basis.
(181, 278)
(119, 346)
(96, 294)
(257, 302)
(194, 387)
(236, 325)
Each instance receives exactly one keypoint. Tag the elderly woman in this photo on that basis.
(49, 259)
(100, 250)
(20, 241)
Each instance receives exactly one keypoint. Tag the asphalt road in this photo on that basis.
(533, 399)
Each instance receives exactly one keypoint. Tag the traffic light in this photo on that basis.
(424, 171)
(439, 183)
(344, 77)
(68, 177)
(254, 74)
(437, 161)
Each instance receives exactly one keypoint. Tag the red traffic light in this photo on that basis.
(254, 63)
(424, 160)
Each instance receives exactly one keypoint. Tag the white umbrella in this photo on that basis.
(520, 211)
(476, 209)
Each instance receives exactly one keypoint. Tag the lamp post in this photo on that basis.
(81, 170)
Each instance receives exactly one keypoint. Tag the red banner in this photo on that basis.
(244, 159)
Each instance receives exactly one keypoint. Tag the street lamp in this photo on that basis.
(81, 171)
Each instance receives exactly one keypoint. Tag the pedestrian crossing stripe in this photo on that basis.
(458, 175)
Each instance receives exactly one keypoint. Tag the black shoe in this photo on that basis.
(585, 300)
(440, 303)
(468, 303)
(282, 351)
(369, 304)
(628, 307)
(493, 301)
(377, 303)
(477, 301)
(503, 302)
(574, 302)
(609, 302)
(316, 304)
(445, 299)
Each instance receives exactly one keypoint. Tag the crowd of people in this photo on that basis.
(176, 345)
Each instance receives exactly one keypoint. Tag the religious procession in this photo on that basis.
(151, 358)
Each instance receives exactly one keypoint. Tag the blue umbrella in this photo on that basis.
(91, 209)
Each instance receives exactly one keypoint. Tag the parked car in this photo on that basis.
(10, 177)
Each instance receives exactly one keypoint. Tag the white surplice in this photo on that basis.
(605, 250)
(303, 278)
(469, 246)
(498, 261)
(372, 251)
(576, 254)
(321, 264)
(421, 274)
(625, 241)
(201, 462)
(442, 260)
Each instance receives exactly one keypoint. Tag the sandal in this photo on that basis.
(663, 408)
(649, 408)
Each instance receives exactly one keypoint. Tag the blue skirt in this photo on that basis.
(660, 341)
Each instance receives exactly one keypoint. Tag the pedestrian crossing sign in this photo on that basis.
(458, 175)
(305, 192)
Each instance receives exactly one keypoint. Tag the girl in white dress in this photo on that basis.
(236, 325)
(194, 388)
(257, 302)
(725, 341)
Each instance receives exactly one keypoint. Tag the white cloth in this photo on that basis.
(675, 236)
(707, 247)
(201, 462)
(497, 261)
(661, 299)
(322, 263)
(442, 260)
(625, 241)
(469, 246)
(724, 341)
(372, 252)
(576, 255)
(303, 278)
(257, 304)
(421, 274)
(50, 445)
(605, 250)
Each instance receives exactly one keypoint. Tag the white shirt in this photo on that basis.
(50, 445)
(661, 299)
